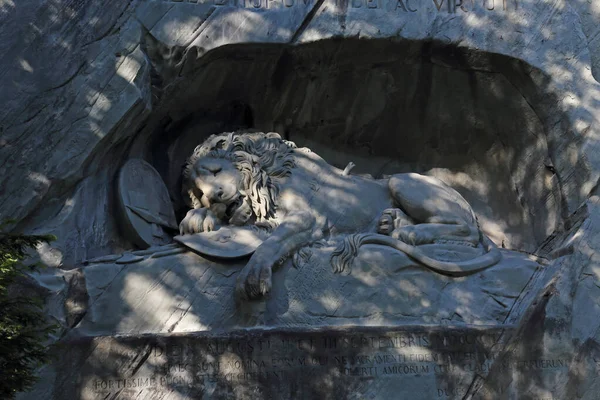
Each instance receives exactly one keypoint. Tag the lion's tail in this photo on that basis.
(343, 256)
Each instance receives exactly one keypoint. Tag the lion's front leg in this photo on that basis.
(296, 230)
(198, 220)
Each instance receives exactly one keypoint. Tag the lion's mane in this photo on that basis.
(262, 158)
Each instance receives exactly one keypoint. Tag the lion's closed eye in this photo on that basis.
(210, 169)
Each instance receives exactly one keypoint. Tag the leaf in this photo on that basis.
(23, 326)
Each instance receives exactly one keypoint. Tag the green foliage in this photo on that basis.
(23, 328)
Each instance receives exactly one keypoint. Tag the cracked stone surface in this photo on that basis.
(185, 292)
(78, 85)
(500, 99)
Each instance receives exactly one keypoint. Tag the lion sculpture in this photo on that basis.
(258, 178)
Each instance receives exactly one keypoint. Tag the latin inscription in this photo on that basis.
(403, 6)
(195, 364)
(449, 6)
(251, 4)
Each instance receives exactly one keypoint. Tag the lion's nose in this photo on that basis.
(216, 195)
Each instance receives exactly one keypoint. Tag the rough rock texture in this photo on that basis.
(185, 292)
(589, 12)
(329, 363)
(78, 85)
(501, 103)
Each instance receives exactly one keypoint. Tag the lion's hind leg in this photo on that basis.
(439, 229)
(396, 223)
(392, 219)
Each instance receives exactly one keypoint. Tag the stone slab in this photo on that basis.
(185, 292)
(77, 89)
(417, 362)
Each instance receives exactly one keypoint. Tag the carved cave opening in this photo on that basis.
(475, 120)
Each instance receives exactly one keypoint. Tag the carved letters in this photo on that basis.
(448, 6)
(439, 357)
(392, 6)
(251, 4)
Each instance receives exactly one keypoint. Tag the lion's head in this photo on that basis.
(237, 175)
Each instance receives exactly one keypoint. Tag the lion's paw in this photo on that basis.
(198, 220)
(392, 219)
(413, 235)
(255, 279)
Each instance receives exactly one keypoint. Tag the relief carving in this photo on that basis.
(262, 181)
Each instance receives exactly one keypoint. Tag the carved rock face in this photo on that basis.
(496, 98)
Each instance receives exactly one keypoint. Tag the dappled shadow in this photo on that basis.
(403, 106)
(83, 95)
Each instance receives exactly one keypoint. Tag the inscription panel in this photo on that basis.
(429, 363)
(392, 6)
